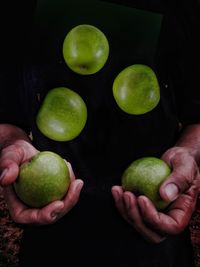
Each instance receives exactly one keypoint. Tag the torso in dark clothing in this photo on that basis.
(93, 233)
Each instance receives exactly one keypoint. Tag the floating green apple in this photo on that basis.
(144, 176)
(136, 89)
(45, 178)
(85, 49)
(62, 115)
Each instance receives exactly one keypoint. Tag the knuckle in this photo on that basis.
(9, 148)
(8, 153)
(34, 217)
(187, 179)
(184, 180)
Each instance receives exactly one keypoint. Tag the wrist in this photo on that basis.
(190, 141)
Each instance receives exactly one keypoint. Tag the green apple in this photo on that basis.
(45, 178)
(144, 176)
(136, 89)
(62, 115)
(85, 49)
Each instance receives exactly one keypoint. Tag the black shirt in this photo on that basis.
(93, 233)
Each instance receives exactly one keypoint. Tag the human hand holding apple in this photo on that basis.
(42, 180)
(181, 188)
(144, 176)
(11, 158)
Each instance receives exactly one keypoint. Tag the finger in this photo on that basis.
(152, 217)
(182, 209)
(71, 172)
(176, 184)
(136, 219)
(72, 195)
(129, 210)
(181, 178)
(117, 193)
(15, 205)
(23, 214)
(175, 220)
(171, 188)
(55, 210)
(11, 157)
(46, 215)
(11, 153)
(9, 174)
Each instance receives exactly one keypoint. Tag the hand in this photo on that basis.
(181, 187)
(11, 158)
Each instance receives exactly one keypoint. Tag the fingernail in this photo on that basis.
(56, 212)
(171, 190)
(3, 174)
(54, 215)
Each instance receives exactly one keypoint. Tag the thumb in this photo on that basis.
(174, 185)
(9, 174)
(184, 173)
(169, 191)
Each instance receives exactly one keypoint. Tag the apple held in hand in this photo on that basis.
(85, 49)
(45, 178)
(144, 177)
(136, 89)
(62, 115)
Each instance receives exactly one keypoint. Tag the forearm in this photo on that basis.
(10, 134)
(190, 139)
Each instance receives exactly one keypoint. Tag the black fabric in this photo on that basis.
(109, 134)
(93, 233)
(15, 26)
(178, 58)
(13, 102)
(15, 22)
